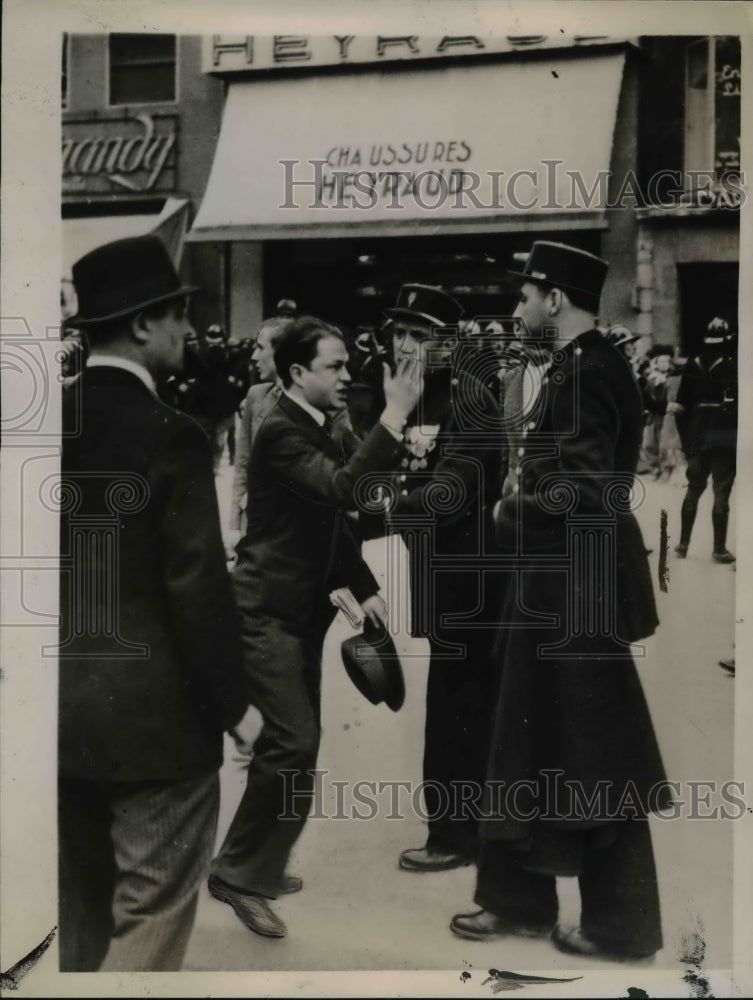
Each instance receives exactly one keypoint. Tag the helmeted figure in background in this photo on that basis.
(707, 417)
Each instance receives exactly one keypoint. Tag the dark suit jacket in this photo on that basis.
(150, 658)
(298, 545)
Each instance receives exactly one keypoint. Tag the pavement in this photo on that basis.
(359, 911)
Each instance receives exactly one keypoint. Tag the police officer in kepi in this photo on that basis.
(706, 414)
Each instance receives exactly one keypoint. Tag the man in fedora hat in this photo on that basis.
(297, 548)
(441, 498)
(150, 658)
(574, 767)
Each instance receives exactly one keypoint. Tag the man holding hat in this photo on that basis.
(150, 658)
(574, 765)
(441, 498)
(297, 548)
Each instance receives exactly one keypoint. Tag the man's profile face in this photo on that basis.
(532, 309)
(169, 335)
(263, 356)
(325, 382)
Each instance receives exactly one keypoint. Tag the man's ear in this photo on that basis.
(140, 330)
(555, 301)
(295, 373)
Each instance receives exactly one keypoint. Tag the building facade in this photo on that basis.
(331, 169)
(139, 126)
(347, 165)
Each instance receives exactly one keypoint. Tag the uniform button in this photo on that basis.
(516, 488)
(578, 350)
(521, 452)
(544, 380)
(518, 470)
(532, 425)
(404, 493)
(402, 479)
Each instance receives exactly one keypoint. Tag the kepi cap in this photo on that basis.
(427, 303)
(565, 267)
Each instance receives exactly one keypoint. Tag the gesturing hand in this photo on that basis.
(403, 389)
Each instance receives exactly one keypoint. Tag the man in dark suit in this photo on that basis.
(150, 657)
(574, 767)
(441, 501)
(298, 547)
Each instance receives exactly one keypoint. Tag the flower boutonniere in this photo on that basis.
(420, 440)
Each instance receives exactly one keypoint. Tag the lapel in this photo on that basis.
(297, 415)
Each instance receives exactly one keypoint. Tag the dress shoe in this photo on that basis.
(728, 665)
(573, 941)
(251, 909)
(724, 556)
(288, 884)
(681, 551)
(486, 926)
(424, 859)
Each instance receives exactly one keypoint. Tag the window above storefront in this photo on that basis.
(142, 69)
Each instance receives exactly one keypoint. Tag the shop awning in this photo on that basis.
(85, 234)
(509, 145)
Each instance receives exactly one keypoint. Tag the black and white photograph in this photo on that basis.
(375, 459)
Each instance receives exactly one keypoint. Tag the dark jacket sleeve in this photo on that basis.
(350, 569)
(299, 464)
(196, 579)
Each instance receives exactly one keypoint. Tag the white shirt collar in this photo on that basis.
(311, 410)
(111, 361)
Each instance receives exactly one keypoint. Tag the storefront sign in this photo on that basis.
(123, 154)
(377, 156)
(243, 53)
(727, 104)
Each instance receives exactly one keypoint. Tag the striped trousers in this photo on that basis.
(132, 857)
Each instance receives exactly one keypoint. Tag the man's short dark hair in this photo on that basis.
(299, 344)
(581, 300)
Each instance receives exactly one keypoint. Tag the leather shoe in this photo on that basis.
(486, 926)
(424, 859)
(728, 665)
(725, 556)
(288, 884)
(573, 941)
(251, 909)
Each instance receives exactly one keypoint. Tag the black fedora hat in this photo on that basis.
(565, 267)
(372, 663)
(426, 303)
(120, 278)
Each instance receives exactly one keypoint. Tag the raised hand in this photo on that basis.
(402, 390)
